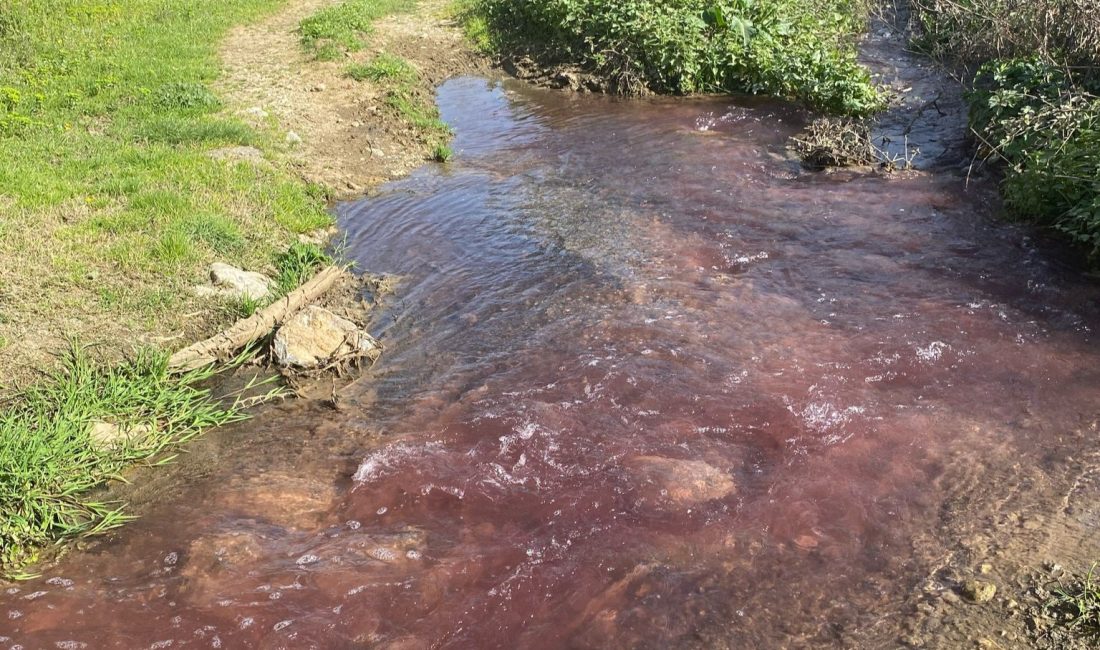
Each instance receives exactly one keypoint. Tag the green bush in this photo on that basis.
(1046, 128)
(791, 48)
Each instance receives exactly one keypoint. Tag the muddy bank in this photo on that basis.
(350, 141)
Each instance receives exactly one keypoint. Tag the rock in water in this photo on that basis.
(979, 591)
(233, 282)
(315, 336)
(680, 482)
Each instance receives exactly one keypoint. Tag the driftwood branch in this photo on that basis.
(227, 342)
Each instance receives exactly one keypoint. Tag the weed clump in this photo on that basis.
(50, 457)
(382, 68)
(1076, 606)
(297, 265)
(789, 48)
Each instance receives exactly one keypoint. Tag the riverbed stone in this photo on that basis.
(315, 337)
(979, 591)
(680, 482)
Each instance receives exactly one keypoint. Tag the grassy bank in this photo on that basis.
(339, 30)
(799, 49)
(113, 206)
(82, 427)
(119, 187)
(407, 98)
(1034, 68)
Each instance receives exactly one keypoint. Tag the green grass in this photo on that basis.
(334, 31)
(49, 461)
(108, 191)
(384, 67)
(442, 153)
(799, 49)
(298, 264)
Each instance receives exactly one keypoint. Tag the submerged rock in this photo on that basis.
(315, 337)
(979, 591)
(680, 482)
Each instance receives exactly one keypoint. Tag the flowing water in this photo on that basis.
(647, 385)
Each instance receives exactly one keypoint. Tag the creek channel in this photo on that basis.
(647, 385)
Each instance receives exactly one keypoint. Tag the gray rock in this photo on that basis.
(235, 154)
(230, 281)
(293, 138)
(104, 435)
(315, 337)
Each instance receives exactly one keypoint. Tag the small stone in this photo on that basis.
(949, 597)
(319, 88)
(234, 154)
(356, 124)
(979, 591)
(104, 435)
(986, 568)
(231, 281)
(257, 112)
(293, 138)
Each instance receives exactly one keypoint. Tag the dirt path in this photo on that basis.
(349, 140)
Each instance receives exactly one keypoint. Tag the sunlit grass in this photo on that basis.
(49, 459)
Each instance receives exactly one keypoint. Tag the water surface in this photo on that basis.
(647, 385)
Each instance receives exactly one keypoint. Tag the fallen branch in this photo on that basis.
(227, 342)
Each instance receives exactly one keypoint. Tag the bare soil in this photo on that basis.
(350, 141)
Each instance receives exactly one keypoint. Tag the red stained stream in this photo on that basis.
(647, 385)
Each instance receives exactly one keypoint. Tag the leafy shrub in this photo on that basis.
(1031, 115)
(791, 48)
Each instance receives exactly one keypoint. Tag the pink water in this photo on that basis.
(594, 287)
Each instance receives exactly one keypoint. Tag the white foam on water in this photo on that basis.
(379, 462)
(932, 352)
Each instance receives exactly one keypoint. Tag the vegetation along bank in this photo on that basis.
(1032, 68)
(143, 141)
(1034, 71)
